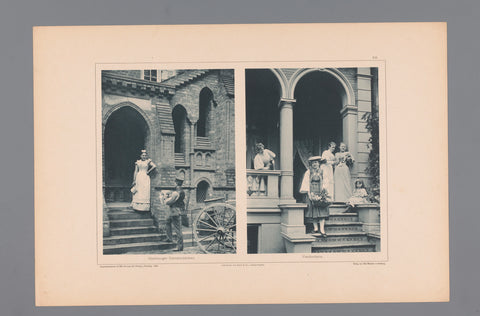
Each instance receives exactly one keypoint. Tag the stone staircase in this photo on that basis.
(131, 231)
(344, 233)
(134, 232)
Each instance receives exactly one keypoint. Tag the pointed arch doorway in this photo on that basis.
(125, 135)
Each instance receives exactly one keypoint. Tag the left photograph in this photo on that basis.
(168, 161)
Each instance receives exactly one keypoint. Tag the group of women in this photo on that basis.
(328, 179)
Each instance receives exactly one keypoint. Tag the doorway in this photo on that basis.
(124, 137)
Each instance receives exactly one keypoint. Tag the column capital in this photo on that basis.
(284, 102)
(349, 109)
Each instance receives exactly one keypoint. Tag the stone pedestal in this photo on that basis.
(293, 229)
(369, 215)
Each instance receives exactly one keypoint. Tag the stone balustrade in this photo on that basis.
(263, 183)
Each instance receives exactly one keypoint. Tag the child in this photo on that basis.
(359, 195)
(164, 195)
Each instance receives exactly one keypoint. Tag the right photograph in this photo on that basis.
(313, 171)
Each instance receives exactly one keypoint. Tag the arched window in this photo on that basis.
(202, 191)
(205, 109)
(181, 174)
(208, 160)
(179, 116)
(199, 159)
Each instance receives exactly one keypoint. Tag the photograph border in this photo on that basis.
(241, 257)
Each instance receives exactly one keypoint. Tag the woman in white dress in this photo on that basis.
(141, 183)
(341, 176)
(264, 160)
(327, 169)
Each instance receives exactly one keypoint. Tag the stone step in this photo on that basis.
(131, 223)
(124, 214)
(341, 238)
(127, 239)
(337, 208)
(115, 206)
(344, 217)
(343, 227)
(121, 231)
(344, 247)
(136, 247)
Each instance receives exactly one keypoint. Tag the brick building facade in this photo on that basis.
(185, 121)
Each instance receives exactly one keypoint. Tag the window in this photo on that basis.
(179, 116)
(150, 75)
(202, 191)
(205, 108)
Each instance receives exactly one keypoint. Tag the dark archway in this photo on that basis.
(317, 119)
(124, 137)
(204, 116)
(179, 116)
(263, 93)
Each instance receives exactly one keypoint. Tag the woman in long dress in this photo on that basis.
(327, 169)
(312, 185)
(341, 176)
(141, 183)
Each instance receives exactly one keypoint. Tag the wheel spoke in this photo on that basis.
(229, 227)
(217, 216)
(231, 217)
(206, 248)
(205, 223)
(212, 219)
(205, 237)
(207, 230)
(231, 235)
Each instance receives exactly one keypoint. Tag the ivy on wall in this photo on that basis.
(373, 168)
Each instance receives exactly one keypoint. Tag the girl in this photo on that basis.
(359, 195)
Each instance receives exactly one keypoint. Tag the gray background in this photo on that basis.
(16, 134)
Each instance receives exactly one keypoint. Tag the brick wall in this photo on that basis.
(221, 173)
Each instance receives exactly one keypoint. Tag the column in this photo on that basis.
(191, 152)
(350, 137)
(292, 226)
(364, 102)
(286, 148)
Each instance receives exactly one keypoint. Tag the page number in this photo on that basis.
(374, 57)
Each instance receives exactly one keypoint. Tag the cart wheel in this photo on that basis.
(214, 229)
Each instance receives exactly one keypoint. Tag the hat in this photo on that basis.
(315, 158)
(180, 177)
